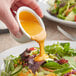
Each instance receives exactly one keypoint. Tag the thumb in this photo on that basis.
(10, 22)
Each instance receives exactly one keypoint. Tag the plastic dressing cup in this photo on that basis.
(26, 37)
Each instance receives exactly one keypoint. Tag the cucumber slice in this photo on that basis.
(51, 2)
(16, 70)
(71, 16)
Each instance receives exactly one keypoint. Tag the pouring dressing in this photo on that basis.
(32, 26)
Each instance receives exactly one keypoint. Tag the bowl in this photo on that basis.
(26, 37)
(45, 6)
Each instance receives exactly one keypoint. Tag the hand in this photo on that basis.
(7, 15)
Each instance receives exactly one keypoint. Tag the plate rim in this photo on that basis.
(35, 42)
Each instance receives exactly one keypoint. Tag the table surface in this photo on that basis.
(6, 41)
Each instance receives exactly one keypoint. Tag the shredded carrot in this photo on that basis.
(22, 74)
(25, 74)
(70, 75)
(69, 10)
(20, 62)
(48, 70)
(55, 5)
(30, 71)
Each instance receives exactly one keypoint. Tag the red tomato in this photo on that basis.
(32, 48)
(75, 18)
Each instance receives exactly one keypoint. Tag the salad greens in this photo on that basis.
(55, 65)
(61, 62)
(60, 50)
(63, 9)
(63, 70)
(52, 65)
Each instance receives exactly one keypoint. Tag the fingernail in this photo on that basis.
(18, 35)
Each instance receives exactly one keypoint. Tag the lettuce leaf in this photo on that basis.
(55, 65)
(52, 65)
(63, 70)
(60, 50)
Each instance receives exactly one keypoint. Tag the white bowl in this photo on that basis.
(26, 37)
(44, 6)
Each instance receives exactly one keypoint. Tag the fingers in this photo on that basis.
(15, 7)
(30, 3)
(33, 4)
(11, 23)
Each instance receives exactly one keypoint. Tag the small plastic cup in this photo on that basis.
(26, 37)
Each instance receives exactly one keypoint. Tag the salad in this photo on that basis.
(63, 9)
(61, 62)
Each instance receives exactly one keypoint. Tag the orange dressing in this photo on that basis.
(32, 26)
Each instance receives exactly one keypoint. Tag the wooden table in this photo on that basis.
(6, 41)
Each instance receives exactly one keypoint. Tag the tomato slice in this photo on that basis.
(32, 48)
(75, 18)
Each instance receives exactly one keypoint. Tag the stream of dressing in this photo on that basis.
(34, 29)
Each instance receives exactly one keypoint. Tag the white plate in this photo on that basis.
(44, 6)
(19, 49)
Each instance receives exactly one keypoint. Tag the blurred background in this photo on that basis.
(6, 41)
